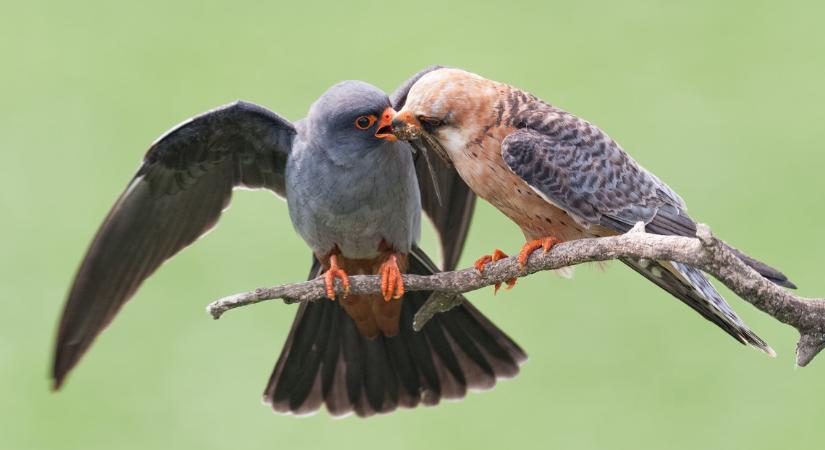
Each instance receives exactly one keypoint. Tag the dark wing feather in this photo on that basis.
(399, 97)
(186, 180)
(452, 213)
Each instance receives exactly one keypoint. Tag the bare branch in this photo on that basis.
(705, 252)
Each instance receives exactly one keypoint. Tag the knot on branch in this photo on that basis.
(810, 344)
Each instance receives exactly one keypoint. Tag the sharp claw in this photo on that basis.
(329, 282)
(399, 292)
(331, 274)
(498, 255)
(488, 259)
(481, 262)
(384, 281)
(530, 247)
(549, 243)
(392, 283)
(511, 283)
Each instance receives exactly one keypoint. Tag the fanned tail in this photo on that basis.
(326, 361)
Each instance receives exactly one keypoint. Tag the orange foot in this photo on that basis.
(392, 285)
(528, 248)
(333, 273)
(487, 259)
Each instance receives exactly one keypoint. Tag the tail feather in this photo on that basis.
(326, 361)
(768, 272)
(692, 287)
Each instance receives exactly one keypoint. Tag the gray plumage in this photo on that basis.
(337, 182)
(347, 190)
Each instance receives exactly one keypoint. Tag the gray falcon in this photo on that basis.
(559, 178)
(353, 195)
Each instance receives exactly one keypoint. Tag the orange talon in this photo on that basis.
(498, 255)
(528, 249)
(392, 285)
(488, 259)
(331, 274)
(481, 262)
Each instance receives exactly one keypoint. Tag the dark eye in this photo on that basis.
(430, 123)
(364, 122)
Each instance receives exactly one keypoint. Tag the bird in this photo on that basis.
(354, 196)
(559, 178)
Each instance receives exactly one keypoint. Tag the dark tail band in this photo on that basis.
(326, 361)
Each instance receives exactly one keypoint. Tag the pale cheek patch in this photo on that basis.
(453, 141)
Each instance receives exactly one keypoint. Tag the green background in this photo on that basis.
(723, 100)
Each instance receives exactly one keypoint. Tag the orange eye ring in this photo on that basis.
(365, 122)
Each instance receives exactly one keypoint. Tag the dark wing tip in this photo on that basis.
(57, 382)
(768, 272)
(787, 283)
(399, 97)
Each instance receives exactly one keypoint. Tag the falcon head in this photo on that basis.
(352, 114)
(445, 108)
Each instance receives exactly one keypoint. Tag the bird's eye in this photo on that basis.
(364, 122)
(430, 123)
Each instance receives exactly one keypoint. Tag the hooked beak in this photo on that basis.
(384, 129)
(406, 127)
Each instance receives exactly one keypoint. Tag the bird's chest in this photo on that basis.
(478, 160)
(353, 208)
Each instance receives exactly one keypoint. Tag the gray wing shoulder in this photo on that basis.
(576, 166)
(250, 141)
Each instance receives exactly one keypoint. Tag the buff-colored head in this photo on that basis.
(446, 104)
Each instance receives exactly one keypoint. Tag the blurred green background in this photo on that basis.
(723, 100)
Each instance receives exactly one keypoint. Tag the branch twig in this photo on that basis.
(705, 252)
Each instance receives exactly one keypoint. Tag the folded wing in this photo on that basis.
(575, 166)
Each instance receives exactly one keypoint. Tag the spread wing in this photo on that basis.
(178, 194)
(445, 197)
(578, 168)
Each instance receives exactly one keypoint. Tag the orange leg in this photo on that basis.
(528, 248)
(487, 259)
(392, 285)
(333, 273)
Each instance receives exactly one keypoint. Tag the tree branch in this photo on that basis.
(705, 252)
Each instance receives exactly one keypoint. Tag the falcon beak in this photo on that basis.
(384, 129)
(405, 126)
